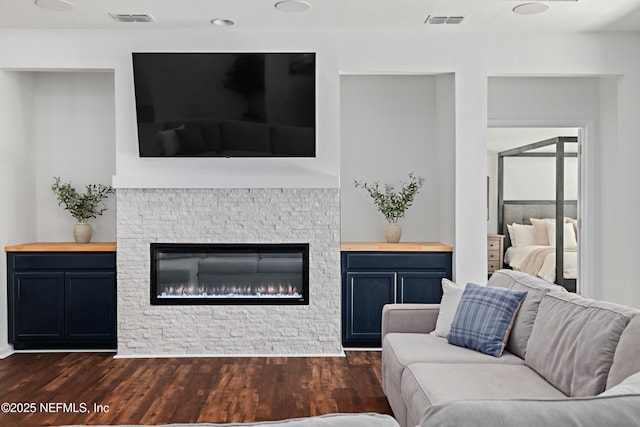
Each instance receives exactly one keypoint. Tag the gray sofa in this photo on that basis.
(563, 351)
(328, 420)
(224, 138)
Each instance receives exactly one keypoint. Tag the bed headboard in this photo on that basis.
(519, 211)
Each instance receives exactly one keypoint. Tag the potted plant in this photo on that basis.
(393, 204)
(82, 206)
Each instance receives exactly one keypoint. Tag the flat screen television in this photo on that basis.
(225, 104)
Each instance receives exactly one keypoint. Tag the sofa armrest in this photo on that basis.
(416, 318)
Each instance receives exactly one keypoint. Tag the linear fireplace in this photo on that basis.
(230, 274)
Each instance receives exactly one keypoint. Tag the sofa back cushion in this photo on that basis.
(246, 136)
(573, 342)
(626, 360)
(536, 288)
(293, 140)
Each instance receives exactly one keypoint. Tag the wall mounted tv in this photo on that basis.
(225, 104)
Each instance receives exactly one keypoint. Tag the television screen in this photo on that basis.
(225, 104)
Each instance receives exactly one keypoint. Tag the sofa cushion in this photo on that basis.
(181, 270)
(228, 263)
(328, 420)
(585, 412)
(244, 137)
(191, 141)
(400, 350)
(451, 294)
(293, 140)
(427, 384)
(169, 142)
(211, 135)
(484, 317)
(536, 288)
(630, 385)
(626, 360)
(573, 342)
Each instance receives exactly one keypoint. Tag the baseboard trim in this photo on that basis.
(169, 355)
(80, 350)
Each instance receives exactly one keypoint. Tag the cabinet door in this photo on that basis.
(91, 306)
(420, 287)
(364, 296)
(38, 307)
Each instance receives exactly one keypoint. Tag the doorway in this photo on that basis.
(533, 200)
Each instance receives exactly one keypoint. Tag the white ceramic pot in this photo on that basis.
(82, 232)
(392, 232)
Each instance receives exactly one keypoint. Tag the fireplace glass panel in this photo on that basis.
(229, 274)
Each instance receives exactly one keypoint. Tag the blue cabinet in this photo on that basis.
(372, 279)
(62, 300)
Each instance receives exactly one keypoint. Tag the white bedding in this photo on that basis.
(517, 258)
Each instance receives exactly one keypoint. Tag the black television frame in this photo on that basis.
(302, 65)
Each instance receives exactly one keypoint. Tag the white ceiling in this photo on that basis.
(346, 15)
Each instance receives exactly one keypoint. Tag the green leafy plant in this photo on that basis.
(391, 203)
(82, 206)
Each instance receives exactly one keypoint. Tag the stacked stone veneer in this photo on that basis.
(228, 216)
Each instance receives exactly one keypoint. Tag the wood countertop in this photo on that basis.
(63, 247)
(395, 247)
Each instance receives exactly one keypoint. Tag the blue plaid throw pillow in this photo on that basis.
(484, 317)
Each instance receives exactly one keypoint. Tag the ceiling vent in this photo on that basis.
(128, 17)
(443, 19)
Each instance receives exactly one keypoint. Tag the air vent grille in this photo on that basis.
(443, 20)
(128, 17)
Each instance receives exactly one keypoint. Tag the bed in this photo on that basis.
(534, 230)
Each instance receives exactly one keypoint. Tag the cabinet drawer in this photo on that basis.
(397, 261)
(63, 261)
(493, 266)
(493, 244)
(493, 256)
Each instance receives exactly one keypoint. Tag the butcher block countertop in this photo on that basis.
(63, 247)
(395, 247)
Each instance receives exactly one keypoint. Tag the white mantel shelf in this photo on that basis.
(228, 181)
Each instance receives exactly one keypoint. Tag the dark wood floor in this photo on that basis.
(158, 391)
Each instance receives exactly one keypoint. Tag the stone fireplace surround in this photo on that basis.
(256, 215)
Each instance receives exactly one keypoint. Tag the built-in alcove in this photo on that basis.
(64, 125)
(391, 125)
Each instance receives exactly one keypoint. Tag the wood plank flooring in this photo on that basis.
(94, 388)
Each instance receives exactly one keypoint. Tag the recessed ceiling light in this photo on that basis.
(530, 8)
(57, 5)
(293, 6)
(222, 22)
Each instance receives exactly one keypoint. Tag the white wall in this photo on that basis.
(388, 130)
(17, 175)
(473, 58)
(75, 140)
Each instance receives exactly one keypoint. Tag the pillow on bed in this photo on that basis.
(575, 225)
(540, 228)
(525, 235)
(569, 235)
(512, 234)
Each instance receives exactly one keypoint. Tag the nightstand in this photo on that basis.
(495, 252)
